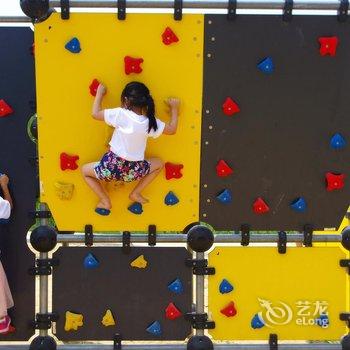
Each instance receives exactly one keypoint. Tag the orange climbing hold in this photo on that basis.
(229, 310)
(93, 87)
(260, 206)
(172, 312)
(5, 109)
(230, 107)
(68, 162)
(223, 169)
(169, 37)
(173, 171)
(132, 65)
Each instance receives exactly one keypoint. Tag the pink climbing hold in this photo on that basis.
(230, 107)
(5, 109)
(132, 65)
(169, 37)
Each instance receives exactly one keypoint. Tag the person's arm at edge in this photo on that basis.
(171, 127)
(6, 192)
(97, 111)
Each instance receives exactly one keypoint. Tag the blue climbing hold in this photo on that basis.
(266, 66)
(257, 322)
(102, 211)
(225, 287)
(176, 286)
(338, 141)
(136, 208)
(73, 45)
(322, 321)
(225, 197)
(90, 262)
(155, 329)
(171, 199)
(299, 204)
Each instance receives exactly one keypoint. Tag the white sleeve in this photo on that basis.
(113, 117)
(159, 131)
(5, 208)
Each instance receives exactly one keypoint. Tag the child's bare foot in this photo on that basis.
(137, 197)
(104, 205)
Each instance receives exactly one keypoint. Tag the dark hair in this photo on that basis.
(138, 96)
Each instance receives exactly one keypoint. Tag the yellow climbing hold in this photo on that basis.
(73, 321)
(64, 190)
(140, 262)
(108, 319)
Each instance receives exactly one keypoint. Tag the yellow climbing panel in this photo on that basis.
(64, 112)
(287, 291)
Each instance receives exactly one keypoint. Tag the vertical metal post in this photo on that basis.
(43, 280)
(200, 293)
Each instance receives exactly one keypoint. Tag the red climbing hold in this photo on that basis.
(229, 310)
(93, 87)
(230, 107)
(132, 65)
(335, 181)
(173, 171)
(260, 207)
(223, 169)
(328, 45)
(169, 37)
(68, 162)
(5, 109)
(172, 312)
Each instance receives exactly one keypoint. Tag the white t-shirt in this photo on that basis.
(129, 138)
(5, 208)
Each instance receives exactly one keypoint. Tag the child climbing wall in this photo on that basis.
(125, 161)
(167, 57)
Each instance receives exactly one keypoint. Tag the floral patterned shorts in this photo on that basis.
(111, 167)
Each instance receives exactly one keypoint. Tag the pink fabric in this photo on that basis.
(6, 301)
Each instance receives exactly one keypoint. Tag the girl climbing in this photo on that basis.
(6, 301)
(134, 122)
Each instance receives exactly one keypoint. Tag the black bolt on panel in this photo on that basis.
(136, 297)
(278, 145)
(17, 88)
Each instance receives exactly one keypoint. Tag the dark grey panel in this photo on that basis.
(137, 297)
(278, 145)
(17, 88)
